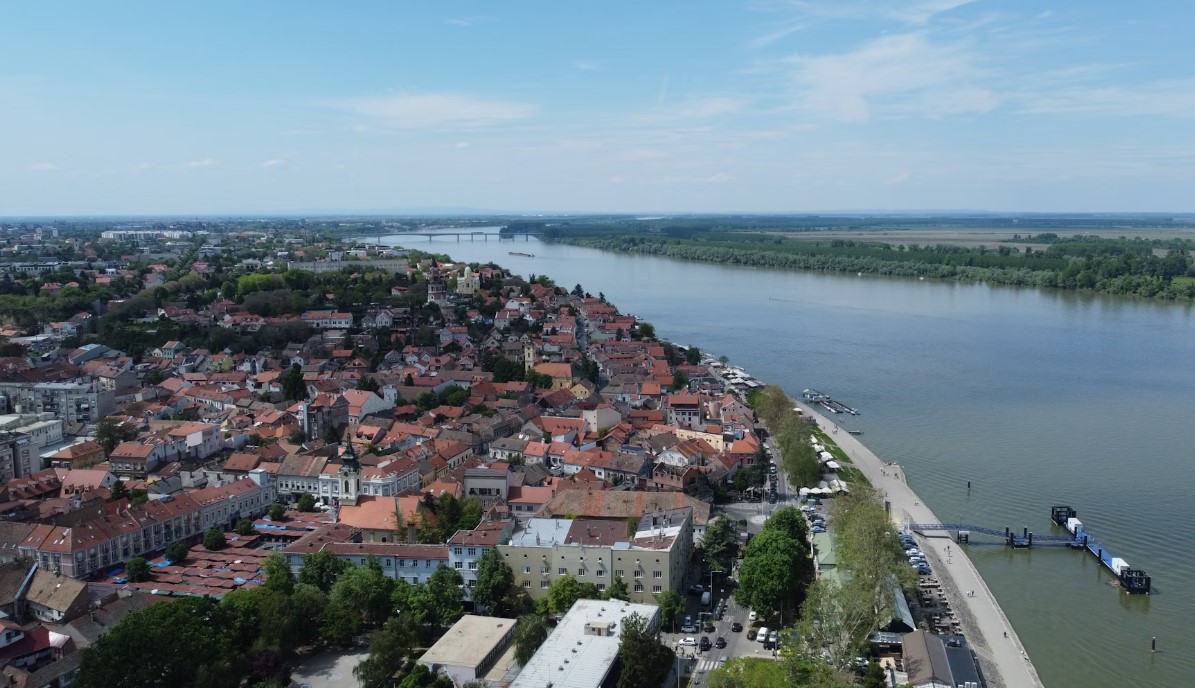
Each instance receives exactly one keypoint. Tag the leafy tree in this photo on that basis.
(360, 597)
(119, 491)
(177, 553)
(161, 646)
(748, 672)
(679, 381)
(368, 384)
(214, 539)
(672, 605)
(565, 591)
(277, 512)
(494, 582)
(321, 569)
(388, 651)
(618, 590)
(111, 431)
(422, 677)
(531, 630)
(645, 662)
(645, 330)
(244, 527)
(306, 503)
(693, 355)
(277, 573)
(138, 569)
(770, 578)
(720, 543)
(293, 386)
(875, 677)
(444, 587)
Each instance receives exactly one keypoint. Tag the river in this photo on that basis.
(1036, 397)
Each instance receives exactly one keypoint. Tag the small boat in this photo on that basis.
(854, 432)
(520, 253)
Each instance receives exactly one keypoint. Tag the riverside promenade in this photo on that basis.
(1003, 659)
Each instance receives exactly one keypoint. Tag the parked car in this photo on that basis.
(696, 589)
(689, 642)
(763, 635)
(751, 634)
(689, 627)
(736, 627)
(720, 642)
(751, 616)
(772, 637)
(704, 646)
(817, 529)
(709, 628)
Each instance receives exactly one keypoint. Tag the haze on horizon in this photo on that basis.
(228, 108)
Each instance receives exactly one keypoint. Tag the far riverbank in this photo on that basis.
(1002, 657)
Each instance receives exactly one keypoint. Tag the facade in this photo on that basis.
(412, 563)
(82, 455)
(328, 320)
(73, 402)
(18, 456)
(221, 507)
(466, 547)
(598, 551)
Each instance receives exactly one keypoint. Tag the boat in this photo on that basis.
(854, 432)
(520, 253)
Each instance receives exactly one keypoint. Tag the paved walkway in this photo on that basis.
(1002, 657)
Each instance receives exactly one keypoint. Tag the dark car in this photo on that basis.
(709, 628)
(751, 634)
(720, 642)
(696, 589)
(704, 645)
(736, 627)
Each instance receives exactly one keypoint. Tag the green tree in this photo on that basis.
(277, 573)
(645, 662)
(618, 590)
(277, 512)
(361, 597)
(214, 539)
(720, 543)
(389, 648)
(138, 569)
(680, 381)
(321, 569)
(693, 355)
(119, 491)
(244, 527)
(111, 431)
(645, 330)
(177, 553)
(444, 587)
(531, 630)
(293, 386)
(422, 677)
(565, 591)
(367, 384)
(749, 672)
(672, 605)
(161, 646)
(494, 582)
(306, 503)
(770, 578)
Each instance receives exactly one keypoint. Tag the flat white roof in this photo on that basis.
(574, 658)
(468, 642)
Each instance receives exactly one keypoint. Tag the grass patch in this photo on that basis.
(852, 475)
(831, 446)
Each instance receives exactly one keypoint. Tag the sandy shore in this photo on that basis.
(1001, 655)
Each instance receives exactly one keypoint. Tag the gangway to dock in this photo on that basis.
(1132, 580)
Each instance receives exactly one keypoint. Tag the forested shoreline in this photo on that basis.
(1111, 266)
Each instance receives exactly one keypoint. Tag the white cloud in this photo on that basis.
(435, 110)
(897, 179)
(205, 162)
(1172, 98)
(585, 65)
(270, 164)
(461, 145)
(43, 167)
(915, 12)
(906, 73)
(921, 13)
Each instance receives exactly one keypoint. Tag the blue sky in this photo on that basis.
(235, 107)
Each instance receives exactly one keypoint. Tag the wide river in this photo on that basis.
(1036, 397)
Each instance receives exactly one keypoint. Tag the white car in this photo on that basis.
(751, 616)
(688, 642)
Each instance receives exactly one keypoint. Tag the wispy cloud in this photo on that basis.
(461, 145)
(435, 110)
(912, 12)
(43, 167)
(586, 65)
(906, 73)
(695, 109)
(271, 164)
(1172, 98)
(920, 13)
(205, 162)
(467, 21)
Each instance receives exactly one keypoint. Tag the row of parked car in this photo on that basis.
(817, 521)
(915, 556)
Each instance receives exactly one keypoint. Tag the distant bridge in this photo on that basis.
(485, 236)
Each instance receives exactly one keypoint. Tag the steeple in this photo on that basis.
(350, 475)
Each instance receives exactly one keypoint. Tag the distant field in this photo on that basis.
(979, 236)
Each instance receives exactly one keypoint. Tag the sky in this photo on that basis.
(216, 108)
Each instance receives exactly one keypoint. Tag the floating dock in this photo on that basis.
(1134, 581)
(815, 397)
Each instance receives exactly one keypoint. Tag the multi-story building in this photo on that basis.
(221, 507)
(599, 551)
(18, 456)
(73, 402)
(326, 320)
(466, 547)
(411, 563)
(81, 455)
(120, 534)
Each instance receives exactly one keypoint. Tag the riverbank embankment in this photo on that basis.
(1003, 659)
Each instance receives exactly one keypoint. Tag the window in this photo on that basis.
(638, 573)
(527, 584)
(657, 589)
(402, 563)
(472, 551)
(657, 574)
(601, 587)
(472, 566)
(618, 573)
(427, 563)
(458, 564)
(638, 587)
(526, 569)
(542, 584)
(456, 551)
(561, 571)
(580, 573)
(545, 570)
(601, 573)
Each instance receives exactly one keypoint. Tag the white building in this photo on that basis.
(583, 648)
(470, 648)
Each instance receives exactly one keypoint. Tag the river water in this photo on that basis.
(1036, 397)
